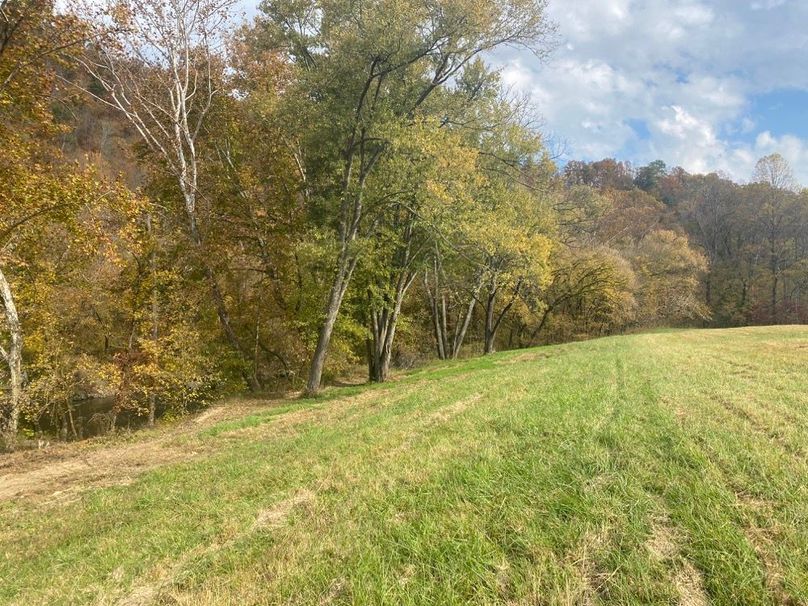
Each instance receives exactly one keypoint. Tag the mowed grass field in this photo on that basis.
(665, 468)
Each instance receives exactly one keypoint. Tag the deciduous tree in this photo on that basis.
(365, 71)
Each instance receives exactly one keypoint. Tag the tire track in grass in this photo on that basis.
(761, 378)
(757, 425)
(664, 540)
(427, 468)
(760, 522)
(493, 488)
(771, 413)
(701, 504)
(388, 458)
(761, 537)
(761, 532)
(144, 593)
(665, 546)
(337, 429)
(690, 486)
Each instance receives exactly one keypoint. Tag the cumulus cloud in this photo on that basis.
(767, 5)
(669, 79)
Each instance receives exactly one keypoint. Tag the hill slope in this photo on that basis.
(661, 468)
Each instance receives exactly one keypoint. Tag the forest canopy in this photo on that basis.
(192, 205)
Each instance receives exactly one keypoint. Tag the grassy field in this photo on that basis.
(665, 468)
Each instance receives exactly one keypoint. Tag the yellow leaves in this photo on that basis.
(669, 270)
(173, 367)
(429, 167)
(121, 14)
(665, 251)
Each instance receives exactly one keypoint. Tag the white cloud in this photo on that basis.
(684, 68)
(792, 148)
(694, 14)
(767, 5)
(684, 126)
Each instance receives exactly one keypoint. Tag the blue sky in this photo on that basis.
(707, 85)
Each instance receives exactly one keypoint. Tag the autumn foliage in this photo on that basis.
(189, 205)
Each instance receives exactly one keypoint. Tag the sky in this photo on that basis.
(706, 85)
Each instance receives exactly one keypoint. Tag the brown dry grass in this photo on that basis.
(61, 471)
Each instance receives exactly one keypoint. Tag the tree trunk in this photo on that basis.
(155, 313)
(544, 317)
(448, 346)
(342, 277)
(708, 295)
(490, 328)
(378, 326)
(348, 230)
(13, 356)
(440, 336)
(383, 330)
(376, 372)
(460, 334)
(381, 350)
(372, 371)
(492, 320)
(438, 321)
(216, 293)
(744, 290)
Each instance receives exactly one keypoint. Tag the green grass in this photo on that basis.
(665, 468)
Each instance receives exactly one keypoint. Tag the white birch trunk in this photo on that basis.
(13, 356)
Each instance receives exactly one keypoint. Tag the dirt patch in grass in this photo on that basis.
(163, 588)
(61, 472)
(150, 592)
(690, 585)
(593, 577)
(763, 543)
(663, 543)
(447, 412)
(64, 479)
(275, 515)
(141, 596)
(529, 356)
(742, 369)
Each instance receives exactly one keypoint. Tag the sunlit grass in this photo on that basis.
(661, 469)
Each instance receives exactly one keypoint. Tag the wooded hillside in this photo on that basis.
(190, 205)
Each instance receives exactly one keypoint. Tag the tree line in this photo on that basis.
(192, 204)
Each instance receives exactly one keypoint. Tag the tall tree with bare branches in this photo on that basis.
(161, 64)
